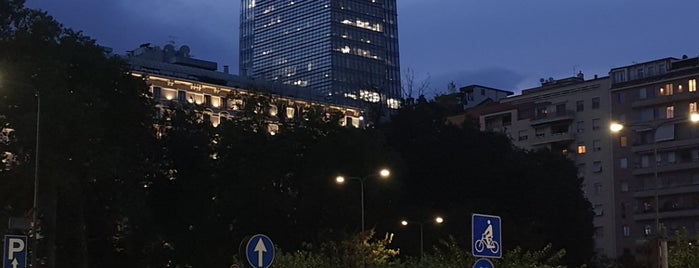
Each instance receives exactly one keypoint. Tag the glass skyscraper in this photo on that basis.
(345, 49)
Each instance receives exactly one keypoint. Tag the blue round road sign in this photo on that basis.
(260, 251)
(483, 263)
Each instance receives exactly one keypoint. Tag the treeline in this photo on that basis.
(121, 185)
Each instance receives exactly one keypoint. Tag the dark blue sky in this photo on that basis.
(507, 44)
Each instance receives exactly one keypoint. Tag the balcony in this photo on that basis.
(668, 190)
(667, 167)
(674, 144)
(651, 101)
(543, 138)
(552, 118)
(650, 215)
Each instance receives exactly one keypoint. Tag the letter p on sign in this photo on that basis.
(15, 245)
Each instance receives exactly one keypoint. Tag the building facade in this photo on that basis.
(656, 154)
(176, 79)
(345, 49)
(569, 116)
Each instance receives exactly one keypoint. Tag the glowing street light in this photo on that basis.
(383, 173)
(437, 220)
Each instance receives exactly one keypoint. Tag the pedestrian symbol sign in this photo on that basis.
(15, 253)
(260, 251)
(486, 239)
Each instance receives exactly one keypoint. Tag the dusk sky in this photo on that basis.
(506, 44)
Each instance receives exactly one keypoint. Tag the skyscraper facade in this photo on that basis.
(345, 49)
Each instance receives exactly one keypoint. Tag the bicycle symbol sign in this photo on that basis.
(486, 236)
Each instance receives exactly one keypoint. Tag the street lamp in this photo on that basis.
(437, 220)
(35, 205)
(653, 127)
(383, 173)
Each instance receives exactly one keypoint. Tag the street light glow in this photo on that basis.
(385, 173)
(616, 127)
(340, 179)
(694, 117)
(439, 220)
(404, 223)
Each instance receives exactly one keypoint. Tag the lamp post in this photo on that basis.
(653, 127)
(437, 220)
(383, 173)
(35, 207)
(35, 204)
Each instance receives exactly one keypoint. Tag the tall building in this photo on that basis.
(345, 49)
(656, 154)
(569, 116)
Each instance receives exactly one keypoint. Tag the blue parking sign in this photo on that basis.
(15, 254)
(486, 238)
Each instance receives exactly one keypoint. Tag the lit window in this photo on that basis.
(693, 107)
(289, 112)
(622, 141)
(369, 96)
(393, 103)
(581, 149)
(670, 112)
(692, 85)
(273, 129)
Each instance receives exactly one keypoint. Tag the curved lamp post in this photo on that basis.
(616, 127)
(383, 173)
(436, 220)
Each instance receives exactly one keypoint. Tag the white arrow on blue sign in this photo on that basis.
(486, 239)
(15, 254)
(260, 251)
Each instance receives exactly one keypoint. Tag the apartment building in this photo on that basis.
(656, 154)
(569, 116)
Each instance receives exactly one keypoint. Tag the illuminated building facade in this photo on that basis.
(345, 49)
(176, 79)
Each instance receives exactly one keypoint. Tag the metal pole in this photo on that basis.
(662, 245)
(361, 184)
(35, 207)
(422, 242)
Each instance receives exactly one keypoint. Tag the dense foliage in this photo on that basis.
(114, 192)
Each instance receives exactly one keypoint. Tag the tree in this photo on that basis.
(457, 171)
(94, 133)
